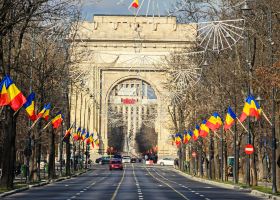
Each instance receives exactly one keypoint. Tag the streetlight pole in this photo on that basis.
(245, 8)
(274, 91)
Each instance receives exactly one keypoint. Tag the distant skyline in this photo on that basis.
(120, 7)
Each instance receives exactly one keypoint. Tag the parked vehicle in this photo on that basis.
(126, 159)
(133, 160)
(115, 164)
(105, 160)
(98, 160)
(166, 161)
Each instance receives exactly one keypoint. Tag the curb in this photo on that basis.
(228, 186)
(39, 184)
(266, 195)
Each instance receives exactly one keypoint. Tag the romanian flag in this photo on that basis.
(87, 135)
(67, 134)
(83, 135)
(96, 142)
(251, 108)
(196, 133)
(30, 107)
(46, 108)
(16, 97)
(56, 122)
(189, 135)
(230, 117)
(135, 3)
(203, 130)
(46, 114)
(89, 139)
(185, 139)
(214, 122)
(178, 139)
(77, 135)
(4, 96)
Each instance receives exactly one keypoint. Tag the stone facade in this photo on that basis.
(112, 49)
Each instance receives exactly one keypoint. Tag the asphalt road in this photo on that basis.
(136, 181)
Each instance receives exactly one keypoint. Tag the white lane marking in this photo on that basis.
(201, 195)
(66, 185)
(85, 189)
(207, 199)
(78, 193)
(140, 194)
(119, 185)
(197, 193)
(73, 197)
(82, 191)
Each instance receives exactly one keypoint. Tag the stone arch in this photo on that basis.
(136, 115)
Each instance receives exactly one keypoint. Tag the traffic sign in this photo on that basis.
(194, 154)
(249, 149)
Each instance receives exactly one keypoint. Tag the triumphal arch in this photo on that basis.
(121, 60)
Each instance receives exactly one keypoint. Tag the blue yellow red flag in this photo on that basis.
(214, 122)
(30, 107)
(57, 120)
(17, 99)
(251, 108)
(4, 96)
(196, 133)
(203, 130)
(230, 118)
(135, 3)
(45, 112)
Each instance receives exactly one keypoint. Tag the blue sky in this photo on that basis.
(120, 7)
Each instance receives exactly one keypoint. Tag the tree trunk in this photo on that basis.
(217, 160)
(278, 157)
(225, 161)
(254, 165)
(9, 150)
(51, 170)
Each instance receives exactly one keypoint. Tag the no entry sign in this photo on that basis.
(249, 149)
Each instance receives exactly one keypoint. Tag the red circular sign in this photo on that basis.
(249, 149)
(194, 154)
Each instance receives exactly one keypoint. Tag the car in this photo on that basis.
(166, 161)
(126, 159)
(115, 164)
(133, 160)
(105, 160)
(118, 156)
(98, 160)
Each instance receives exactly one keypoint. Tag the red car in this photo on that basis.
(115, 164)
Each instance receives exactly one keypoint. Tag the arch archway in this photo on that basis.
(131, 116)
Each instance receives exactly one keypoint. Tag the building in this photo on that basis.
(122, 59)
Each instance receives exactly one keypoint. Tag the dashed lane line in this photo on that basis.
(182, 185)
(140, 194)
(119, 185)
(179, 193)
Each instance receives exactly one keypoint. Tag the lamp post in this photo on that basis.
(246, 9)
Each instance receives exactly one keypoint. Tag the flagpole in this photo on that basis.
(242, 125)
(266, 118)
(17, 111)
(231, 131)
(217, 134)
(47, 125)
